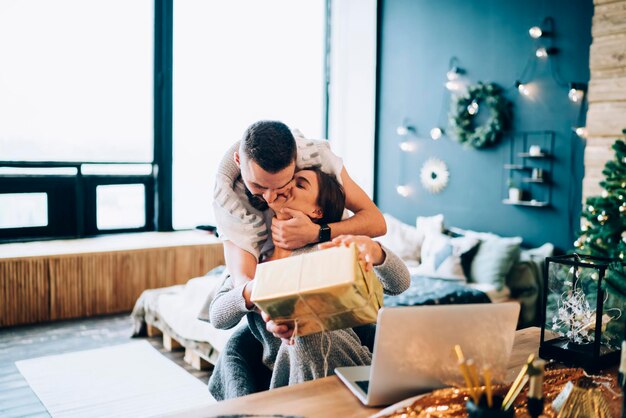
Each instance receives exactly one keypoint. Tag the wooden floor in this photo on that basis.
(20, 343)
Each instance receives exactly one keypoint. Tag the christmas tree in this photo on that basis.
(603, 228)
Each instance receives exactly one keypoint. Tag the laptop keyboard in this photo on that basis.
(363, 384)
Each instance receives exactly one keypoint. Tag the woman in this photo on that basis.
(320, 197)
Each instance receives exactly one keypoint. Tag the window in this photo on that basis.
(76, 80)
(120, 206)
(76, 85)
(86, 94)
(236, 62)
(23, 210)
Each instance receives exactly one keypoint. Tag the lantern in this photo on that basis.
(584, 302)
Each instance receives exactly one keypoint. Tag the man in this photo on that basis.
(260, 169)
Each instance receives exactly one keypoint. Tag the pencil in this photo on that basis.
(473, 374)
(465, 372)
(487, 377)
(518, 380)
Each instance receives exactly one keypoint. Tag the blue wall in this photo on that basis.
(490, 38)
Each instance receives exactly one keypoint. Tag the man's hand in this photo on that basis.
(296, 232)
(370, 252)
(283, 331)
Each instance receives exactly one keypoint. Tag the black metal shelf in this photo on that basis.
(529, 155)
(529, 172)
(533, 203)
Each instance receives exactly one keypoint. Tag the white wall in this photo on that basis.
(352, 91)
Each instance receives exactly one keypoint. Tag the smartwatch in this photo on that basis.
(324, 233)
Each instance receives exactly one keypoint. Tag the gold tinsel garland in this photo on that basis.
(450, 402)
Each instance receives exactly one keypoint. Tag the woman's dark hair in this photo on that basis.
(330, 198)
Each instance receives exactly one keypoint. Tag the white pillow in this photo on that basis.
(441, 256)
(429, 225)
(495, 257)
(403, 239)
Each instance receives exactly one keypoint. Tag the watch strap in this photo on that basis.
(324, 233)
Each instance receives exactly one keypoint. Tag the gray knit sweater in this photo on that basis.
(304, 360)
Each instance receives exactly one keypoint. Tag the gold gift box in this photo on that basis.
(322, 290)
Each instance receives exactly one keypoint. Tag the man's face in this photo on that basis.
(260, 183)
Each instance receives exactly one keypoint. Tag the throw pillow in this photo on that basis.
(429, 224)
(403, 239)
(494, 258)
(441, 256)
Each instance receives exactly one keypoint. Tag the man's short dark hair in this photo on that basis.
(270, 144)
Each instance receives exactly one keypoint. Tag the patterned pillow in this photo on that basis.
(441, 256)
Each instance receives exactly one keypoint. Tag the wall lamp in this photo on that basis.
(577, 92)
(543, 30)
(522, 88)
(406, 130)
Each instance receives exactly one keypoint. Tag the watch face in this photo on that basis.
(324, 233)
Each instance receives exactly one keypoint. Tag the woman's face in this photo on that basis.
(303, 195)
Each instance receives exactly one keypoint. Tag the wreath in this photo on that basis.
(465, 108)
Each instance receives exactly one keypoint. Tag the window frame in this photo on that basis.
(72, 199)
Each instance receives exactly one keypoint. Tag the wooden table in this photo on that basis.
(329, 396)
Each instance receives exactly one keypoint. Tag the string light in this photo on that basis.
(581, 131)
(535, 32)
(453, 73)
(403, 190)
(436, 133)
(576, 92)
(453, 85)
(522, 88)
(605, 194)
(408, 146)
(405, 129)
(541, 52)
(472, 108)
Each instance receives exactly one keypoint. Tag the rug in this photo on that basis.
(128, 380)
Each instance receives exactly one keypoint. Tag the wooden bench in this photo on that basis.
(52, 280)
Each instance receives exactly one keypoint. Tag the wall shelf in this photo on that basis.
(515, 167)
(530, 172)
(533, 203)
(529, 155)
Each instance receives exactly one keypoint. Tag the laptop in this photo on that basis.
(414, 349)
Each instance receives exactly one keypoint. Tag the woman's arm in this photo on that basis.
(393, 273)
(229, 305)
(390, 269)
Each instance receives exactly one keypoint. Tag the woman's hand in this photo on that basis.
(247, 294)
(283, 331)
(370, 252)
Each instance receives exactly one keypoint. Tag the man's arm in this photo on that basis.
(300, 230)
(240, 264)
(367, 219)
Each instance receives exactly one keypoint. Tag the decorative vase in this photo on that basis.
(515, 194)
